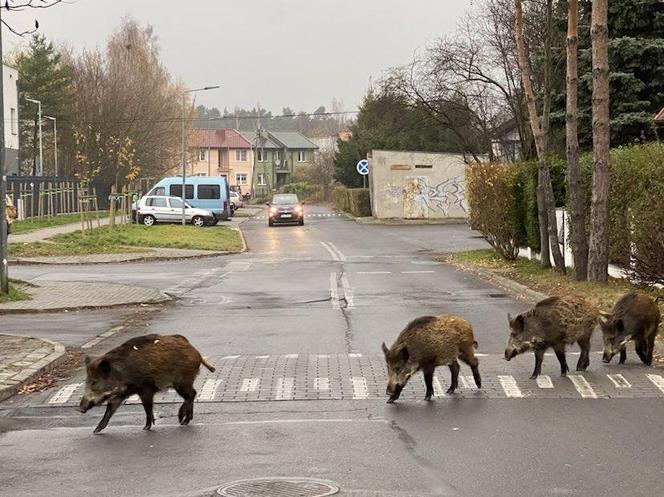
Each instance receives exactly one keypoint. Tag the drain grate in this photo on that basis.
(279, 487)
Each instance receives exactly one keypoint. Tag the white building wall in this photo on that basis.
(10, 99)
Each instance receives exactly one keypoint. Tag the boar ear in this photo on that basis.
(404, 354)
(518, 323)
(385, 349)
(104, 367)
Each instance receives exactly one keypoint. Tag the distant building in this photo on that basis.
(10, 100)
(506, 144)
(230, 155)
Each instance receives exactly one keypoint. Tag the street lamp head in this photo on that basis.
(211, 87)
(33, 100)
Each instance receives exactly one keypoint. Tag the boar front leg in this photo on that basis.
(623, 355)
(454, 384)
(147, 397)
(111, 407)
(560, 354)
(584, 358)
(428, 381)
(539, 357)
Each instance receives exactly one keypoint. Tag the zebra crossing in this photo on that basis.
(356, 376)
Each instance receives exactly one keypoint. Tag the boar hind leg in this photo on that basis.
(623, 355)
(147, 397)
(454, 384)
(560, 354)
(641, 348)
(111, 407)
(428, 381)
(471, 360)
(186, 412)
(651, 347)
(539, 357)
(584, 358)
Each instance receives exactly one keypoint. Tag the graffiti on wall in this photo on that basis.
(421, 198)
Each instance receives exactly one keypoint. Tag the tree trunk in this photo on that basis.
(579, 241)
(598, 263)
(546, 211)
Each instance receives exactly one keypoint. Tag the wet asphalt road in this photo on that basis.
(329, 288)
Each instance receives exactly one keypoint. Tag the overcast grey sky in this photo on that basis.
(297, 53)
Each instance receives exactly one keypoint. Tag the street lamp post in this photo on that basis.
(40, 171)
(55, 141)
(184, 143)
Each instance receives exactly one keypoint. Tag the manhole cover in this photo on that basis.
(279, 487)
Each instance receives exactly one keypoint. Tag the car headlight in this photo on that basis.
(273, 210)
(298, 209)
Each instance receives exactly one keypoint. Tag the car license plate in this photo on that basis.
(286, 215)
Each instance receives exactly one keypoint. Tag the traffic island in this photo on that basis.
(24, 359)
(66, 296)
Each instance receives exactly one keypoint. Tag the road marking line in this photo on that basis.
(262, 357)
(348, 291)
(292, 356)
(544, 381)
(323, 356)
(209, 389)
(230, 357)
(462, 380)
(417, 272)
(374, 272)
(133, 399)
(250, 384)
(63, 395)
(322, 384)
(619, 381)
(582, 386)
(334, 291)
(284, 389)
(341, 256)
(657, 380)
(335, 257)
(360, 390)
(438, 390)
(236, 266)
(480, 354)
(355, 354)
(510, 386)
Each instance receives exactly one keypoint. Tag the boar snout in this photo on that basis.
(85, 405)
(510, 353)
(394, 392)
(607, 356)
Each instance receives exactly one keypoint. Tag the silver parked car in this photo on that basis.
(153, 209)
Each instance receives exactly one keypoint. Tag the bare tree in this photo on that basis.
(598, 263)
(577, 209)
(545, 200)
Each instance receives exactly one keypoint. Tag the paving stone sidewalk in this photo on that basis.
(60, 296)
(23, 359)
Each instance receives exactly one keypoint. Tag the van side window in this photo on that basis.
(160, 190)
(209, 192)
(176, 191)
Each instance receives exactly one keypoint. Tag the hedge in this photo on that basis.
(305, 191)
(356, 201)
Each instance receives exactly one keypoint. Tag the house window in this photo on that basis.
(261, 179)
(241, 179)
(260, 155)
(277, 156)
(241, 155)
(301, 156)
(13, 122)
(202, 154)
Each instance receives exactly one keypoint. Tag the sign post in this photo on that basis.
(363, 169)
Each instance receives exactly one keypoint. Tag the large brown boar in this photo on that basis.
(143, 366)
(554, 322)
(634, 317)
(426, 343)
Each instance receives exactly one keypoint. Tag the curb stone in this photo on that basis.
(517, 289)
(38, 368)
(370, 220)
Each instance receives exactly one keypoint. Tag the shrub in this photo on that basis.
(493, 208)
(341, 199)
(304, 191)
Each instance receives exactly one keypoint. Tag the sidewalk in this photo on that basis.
(70, 295)
(23, 360)
(42, 234)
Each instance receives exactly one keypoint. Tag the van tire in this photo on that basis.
(148, 220)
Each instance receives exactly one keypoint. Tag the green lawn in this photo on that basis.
(132, 238)
(32, 224)
(14, 294)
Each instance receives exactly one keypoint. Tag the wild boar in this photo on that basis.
(428, 342)
(634, 317)
(553, 322)
(143, 366)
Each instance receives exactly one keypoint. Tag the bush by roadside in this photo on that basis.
(356, 201)
(305, 191)
(132, 238)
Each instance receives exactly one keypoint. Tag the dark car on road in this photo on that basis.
(285, 208)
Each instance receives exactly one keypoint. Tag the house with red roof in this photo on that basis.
(221, 152)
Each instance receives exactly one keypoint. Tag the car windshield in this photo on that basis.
(285, 199)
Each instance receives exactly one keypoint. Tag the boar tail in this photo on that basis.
(207, 365)
(475, 344)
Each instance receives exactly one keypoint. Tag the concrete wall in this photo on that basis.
(417, 185)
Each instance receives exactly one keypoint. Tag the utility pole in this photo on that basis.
(55, 140)
(208, 146)
(4, 269)
(40, 170)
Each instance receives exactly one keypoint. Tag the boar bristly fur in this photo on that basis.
(634, 317)
(554, 322)
(426, 343)
(143, 366)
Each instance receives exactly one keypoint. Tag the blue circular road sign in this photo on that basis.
(363, 167)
